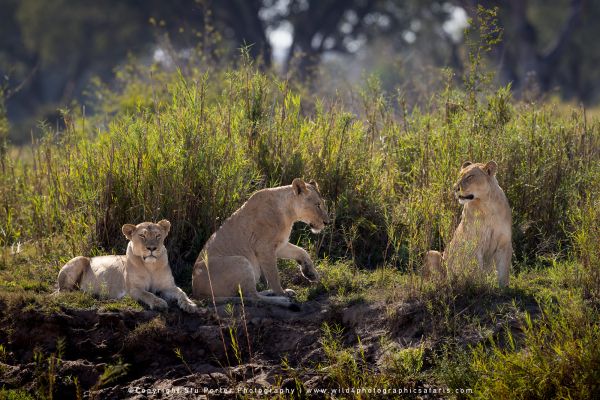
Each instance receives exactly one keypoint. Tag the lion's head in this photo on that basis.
(147, 239)
(310, 206)
(475, 181)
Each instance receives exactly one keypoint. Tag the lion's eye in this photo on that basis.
(319, 205)
(158, 236)
(143, 236)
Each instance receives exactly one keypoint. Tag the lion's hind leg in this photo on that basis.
(228, 277)
(433, 265)
(70, 275)
(223, 277)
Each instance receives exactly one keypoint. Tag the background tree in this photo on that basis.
(548, 44)
(49, 50)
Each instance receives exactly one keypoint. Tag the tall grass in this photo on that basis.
(191, 148)
(558, 358)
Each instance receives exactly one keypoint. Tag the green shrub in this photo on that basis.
(194, 147)
(557, 357)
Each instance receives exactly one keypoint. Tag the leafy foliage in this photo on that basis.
(191, 145)
(191, 148)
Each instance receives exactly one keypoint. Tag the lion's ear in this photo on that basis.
(315, 184)
(128, 230)
(298, 185)
(466, 164)
(165, 224)
(490, 168)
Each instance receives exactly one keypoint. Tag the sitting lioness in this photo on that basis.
(142, 271)
(484, 232)
(249, 243)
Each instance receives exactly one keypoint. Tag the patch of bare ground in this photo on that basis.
(145, 354)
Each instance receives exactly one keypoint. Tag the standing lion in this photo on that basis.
(484, 234)
(249, 243)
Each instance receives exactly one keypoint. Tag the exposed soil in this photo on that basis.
(147, 341)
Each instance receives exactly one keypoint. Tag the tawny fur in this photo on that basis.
(143, 271)
(484, 234)
(249, 243)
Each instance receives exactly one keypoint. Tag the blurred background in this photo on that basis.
(52, 51)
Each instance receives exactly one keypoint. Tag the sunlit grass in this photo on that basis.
(191, 148)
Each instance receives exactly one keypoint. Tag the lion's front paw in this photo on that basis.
(188, 306)
(290, 292)
(309, 272)
(312, 275)
(159, 304)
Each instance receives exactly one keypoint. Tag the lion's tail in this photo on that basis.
(70, 274)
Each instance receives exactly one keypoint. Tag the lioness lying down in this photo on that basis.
(249, 243)
(142, 271)
(484, 232)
